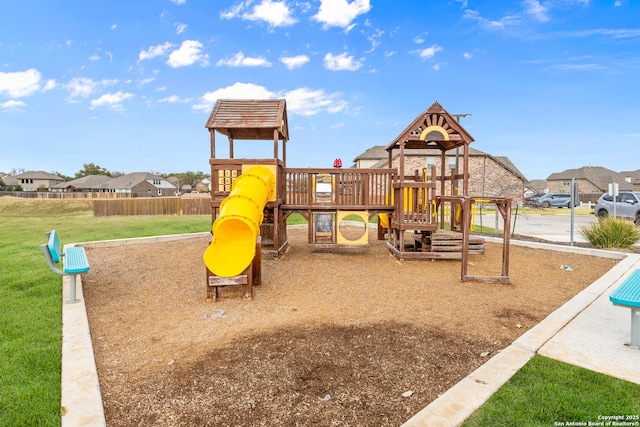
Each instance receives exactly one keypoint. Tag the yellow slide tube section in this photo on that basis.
(238, 223)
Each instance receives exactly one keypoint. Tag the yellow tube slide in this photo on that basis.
(238, 223)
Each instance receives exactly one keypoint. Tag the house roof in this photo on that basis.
(436, 128)
(250, 118)
(130, 180)
(537, 185)
(374, 153)
(39, 175)
(599, 176)
(87, 182)
(501, 160)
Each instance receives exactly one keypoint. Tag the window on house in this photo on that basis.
(452, 163)
(431, 162)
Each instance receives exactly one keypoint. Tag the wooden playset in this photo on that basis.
(422, 214)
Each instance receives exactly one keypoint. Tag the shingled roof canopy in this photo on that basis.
(434, 128)
(250, 119)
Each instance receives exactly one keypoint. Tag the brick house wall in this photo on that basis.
(564, 186)
(487, 177)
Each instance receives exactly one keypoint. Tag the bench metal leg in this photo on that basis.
(635, 328)
(72, 289)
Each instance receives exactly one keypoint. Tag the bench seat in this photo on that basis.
(73, 261)
(628, 295)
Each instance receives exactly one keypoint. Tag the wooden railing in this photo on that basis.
(414, 209)
(307, 188)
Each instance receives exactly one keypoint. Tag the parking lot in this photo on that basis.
(553, 227)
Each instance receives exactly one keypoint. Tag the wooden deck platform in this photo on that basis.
(439, 244)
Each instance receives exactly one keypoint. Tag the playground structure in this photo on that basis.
(422, 215)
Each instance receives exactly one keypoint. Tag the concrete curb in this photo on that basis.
(81, 399)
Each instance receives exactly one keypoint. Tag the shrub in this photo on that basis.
(612, 233)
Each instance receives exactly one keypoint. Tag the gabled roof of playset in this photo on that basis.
(250, 118)
(434, 128)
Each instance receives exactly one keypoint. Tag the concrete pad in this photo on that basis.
(595, 338)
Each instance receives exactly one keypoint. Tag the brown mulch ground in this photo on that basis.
(329, 339)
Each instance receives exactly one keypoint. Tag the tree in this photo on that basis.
(65, 177)
(187, 178)
(92, 169)
(1, 184)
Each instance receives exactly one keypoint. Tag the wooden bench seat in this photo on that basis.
(74, 261)
(628, 295)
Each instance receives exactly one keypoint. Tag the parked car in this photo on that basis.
(627, 206)
(555, 200)
(532, 199)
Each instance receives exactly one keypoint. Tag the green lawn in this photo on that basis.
(545, 392)
(31, 300)
(30, 326)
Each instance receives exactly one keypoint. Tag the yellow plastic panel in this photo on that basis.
(364, 239)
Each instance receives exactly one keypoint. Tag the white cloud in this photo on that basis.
(302, 101)
(81, 87)
(467, 55)
(429, 52)
(174, 99)
(113, 27)
(111, 100)
(189, 52)
(235, 91)
(12, 105)
(94, 57)
(536, 10)
(504, 23)
(180, 27)
(294, 61)
(20, 83)
(178, 2)
(307, 102)
(239, 60)
(275, 13)
(50, 84)
(340, 13)
(374, 38)
(341, 62)
(153, 51)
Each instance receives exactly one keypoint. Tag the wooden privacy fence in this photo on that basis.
(153, 206)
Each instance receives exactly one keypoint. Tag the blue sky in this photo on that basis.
(129, 85)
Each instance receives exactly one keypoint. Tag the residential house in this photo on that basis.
(371, 157)
(34, 180)
(494, 176)
(632, 177)
(203, 186)
(535, 186)
(86, 184)
(590, 179)
(140, 184)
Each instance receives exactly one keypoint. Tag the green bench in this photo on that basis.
(73, 261)
(628, 295)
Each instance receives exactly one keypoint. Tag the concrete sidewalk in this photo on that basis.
(587, 331)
